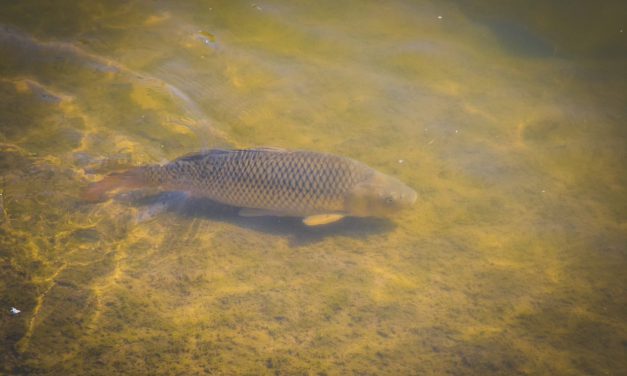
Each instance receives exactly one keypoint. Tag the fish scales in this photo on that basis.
(321, 188)
(294, 183)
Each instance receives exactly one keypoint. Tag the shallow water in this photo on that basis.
(509, 121)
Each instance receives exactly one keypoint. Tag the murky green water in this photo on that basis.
(509, 121)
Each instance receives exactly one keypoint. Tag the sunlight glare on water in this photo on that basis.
(509, 122)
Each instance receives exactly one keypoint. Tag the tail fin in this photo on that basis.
(100, 190)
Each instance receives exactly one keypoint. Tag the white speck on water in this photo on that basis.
(401, 161)
(14, 311)
(456, 131)
(543, 191)
(439, 17)
(430, 142)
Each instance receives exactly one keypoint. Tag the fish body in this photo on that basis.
(319, 187)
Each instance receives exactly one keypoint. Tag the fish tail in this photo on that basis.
(127, 180)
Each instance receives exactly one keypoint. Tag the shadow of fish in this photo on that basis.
(321, 188)
(149, 206)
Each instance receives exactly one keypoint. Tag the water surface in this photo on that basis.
(509, 121)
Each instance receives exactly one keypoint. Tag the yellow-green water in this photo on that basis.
(509, 121)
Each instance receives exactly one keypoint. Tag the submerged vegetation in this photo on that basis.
(511, 262)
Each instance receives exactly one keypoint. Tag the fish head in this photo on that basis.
(379, 195)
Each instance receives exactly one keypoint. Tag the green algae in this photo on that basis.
(511, 263)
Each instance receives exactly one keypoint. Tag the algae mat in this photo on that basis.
(509, 122)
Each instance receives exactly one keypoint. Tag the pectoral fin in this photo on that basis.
(322, 219)
(251, 212)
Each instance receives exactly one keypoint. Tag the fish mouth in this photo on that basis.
(412, 197)
(406, 196)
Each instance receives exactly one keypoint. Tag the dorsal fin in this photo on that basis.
(266, 148)
(198, 155)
